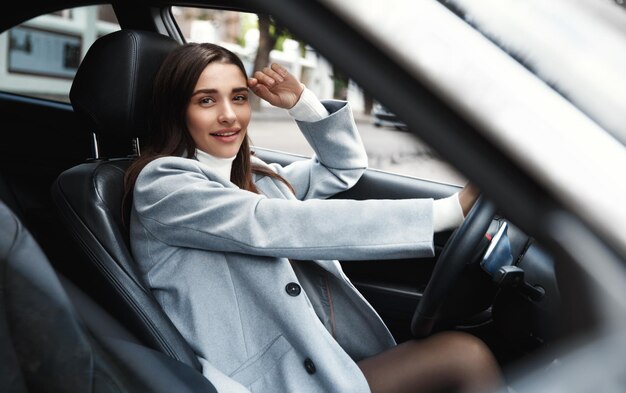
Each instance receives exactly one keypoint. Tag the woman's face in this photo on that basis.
(218, 112)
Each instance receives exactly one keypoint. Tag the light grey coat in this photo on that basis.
(227, 265)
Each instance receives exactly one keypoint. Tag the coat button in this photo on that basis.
(293, 289)
(309, 366)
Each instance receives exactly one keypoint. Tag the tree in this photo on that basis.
(267, 41)
(368, 103)
(270, 34)
(340, 84)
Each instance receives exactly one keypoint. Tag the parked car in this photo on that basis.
(383, 117)
(542, 138)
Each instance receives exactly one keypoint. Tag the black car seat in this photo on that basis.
(45, 345)
(111, 94)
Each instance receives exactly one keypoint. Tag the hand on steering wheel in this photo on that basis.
(458, 251)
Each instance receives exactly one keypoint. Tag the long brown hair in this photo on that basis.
(173, 87)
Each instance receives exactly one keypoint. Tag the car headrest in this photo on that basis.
(112, 89)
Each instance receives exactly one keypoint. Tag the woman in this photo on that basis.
(241, 254)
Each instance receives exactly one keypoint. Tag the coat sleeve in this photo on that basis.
(177, 203)
(340, 158)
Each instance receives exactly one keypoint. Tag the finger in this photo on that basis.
(264, 78)
(282, 71)
(253, 84)
(273, 74)
(262, 91)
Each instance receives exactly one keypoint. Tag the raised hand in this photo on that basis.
(277, 86)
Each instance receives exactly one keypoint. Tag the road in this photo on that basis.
(387, 149)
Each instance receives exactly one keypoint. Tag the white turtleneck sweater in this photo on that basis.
(221, 166)
(447, 212)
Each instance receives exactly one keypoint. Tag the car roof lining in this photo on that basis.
(23, 11)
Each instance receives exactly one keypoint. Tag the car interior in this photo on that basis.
(76, 314)
(96, 221)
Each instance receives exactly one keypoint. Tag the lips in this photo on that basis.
(227, 135)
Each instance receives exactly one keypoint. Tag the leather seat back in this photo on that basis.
(45, 342)
(111, 94)
(43, 347)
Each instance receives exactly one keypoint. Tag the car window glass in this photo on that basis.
(389, 146)
(40, 57)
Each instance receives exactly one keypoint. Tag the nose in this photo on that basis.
(227, 114)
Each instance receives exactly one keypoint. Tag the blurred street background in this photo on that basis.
(388, 149)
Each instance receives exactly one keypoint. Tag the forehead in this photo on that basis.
(221, 76)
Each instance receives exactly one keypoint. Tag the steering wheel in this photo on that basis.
(457, 252)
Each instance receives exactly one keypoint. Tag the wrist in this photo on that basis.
(308, 108)
(299, 94)
(447, 213)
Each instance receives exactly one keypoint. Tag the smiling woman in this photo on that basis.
(259, 230)
(218, 113)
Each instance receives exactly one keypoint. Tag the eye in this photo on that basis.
(207, 100)
(240, 98)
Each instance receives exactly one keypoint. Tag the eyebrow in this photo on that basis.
(213, 91)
